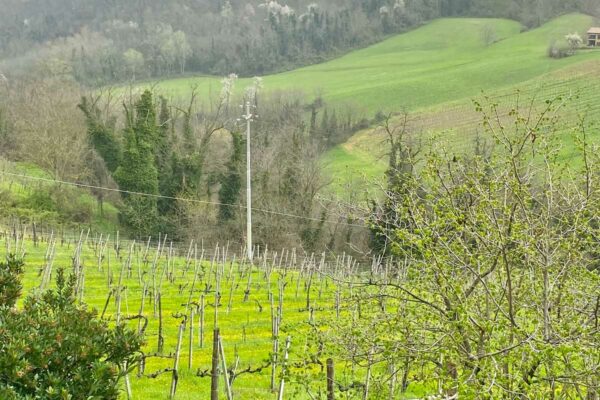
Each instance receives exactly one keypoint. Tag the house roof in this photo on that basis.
(594, 30)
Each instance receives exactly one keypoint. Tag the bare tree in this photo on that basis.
(492, 291)
(51, 132)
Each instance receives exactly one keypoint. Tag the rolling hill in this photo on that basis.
(445, 60)
(432, 72)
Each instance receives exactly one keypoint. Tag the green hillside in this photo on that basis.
(40, 200)
(361, 160)
(445, 60)
(433, 72)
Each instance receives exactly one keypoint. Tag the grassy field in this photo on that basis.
(432, 72)
(362, 159)
(245, 324)
(48, 203)
(443, 61)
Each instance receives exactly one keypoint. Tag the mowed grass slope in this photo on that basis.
(41, 201)
(445, 60)
(433, 71)
(361, 161)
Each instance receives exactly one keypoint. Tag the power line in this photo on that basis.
(158, 196)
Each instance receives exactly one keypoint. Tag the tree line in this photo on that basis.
(187, 158)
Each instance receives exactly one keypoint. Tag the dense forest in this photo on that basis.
(103, 41)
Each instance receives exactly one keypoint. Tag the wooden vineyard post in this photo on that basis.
(214, 379)
(201, 323)
(34, 231)
(217, 296)
(161, 339)
(120, 288)
(191, 341)
(139, 266)
(188, 258)
(284, 370)
(127, 383)
(272, 314)
(108, 273)
(337, 303)
(231, 287)
(368, 378)
(175, 377)
(280, 303)
(330, 379)
(142, 307)
(248, 283)
(196, 265)
(102, 251)
(230, 274)
(155, 292)
(225, 372)
(275, 336)
(49, 258)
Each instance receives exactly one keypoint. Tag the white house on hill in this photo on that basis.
(594, 37)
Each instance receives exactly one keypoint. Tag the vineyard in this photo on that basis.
(259, 331)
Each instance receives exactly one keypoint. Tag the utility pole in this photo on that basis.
(248, 117)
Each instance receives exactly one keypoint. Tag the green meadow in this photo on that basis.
(445, 60)
(45, 202)
(362, 160)
(432, 72)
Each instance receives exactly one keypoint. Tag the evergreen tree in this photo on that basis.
(101, 134)
(325, 126)
(53, 347)
(231, 183)
(163, 159)
(137, 172)
(186, 164)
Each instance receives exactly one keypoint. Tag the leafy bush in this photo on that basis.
(574, 40)
(56, 349)
(10, 284)
(566, 47)
(71, 207)
(41, 199)
(558, 50)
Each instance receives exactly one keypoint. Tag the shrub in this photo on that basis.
(557, 50)
(574, 40)
(41, 199)
(10, 283)
(489, 35)
(71, 206)
(56, 349)
(464, 231)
